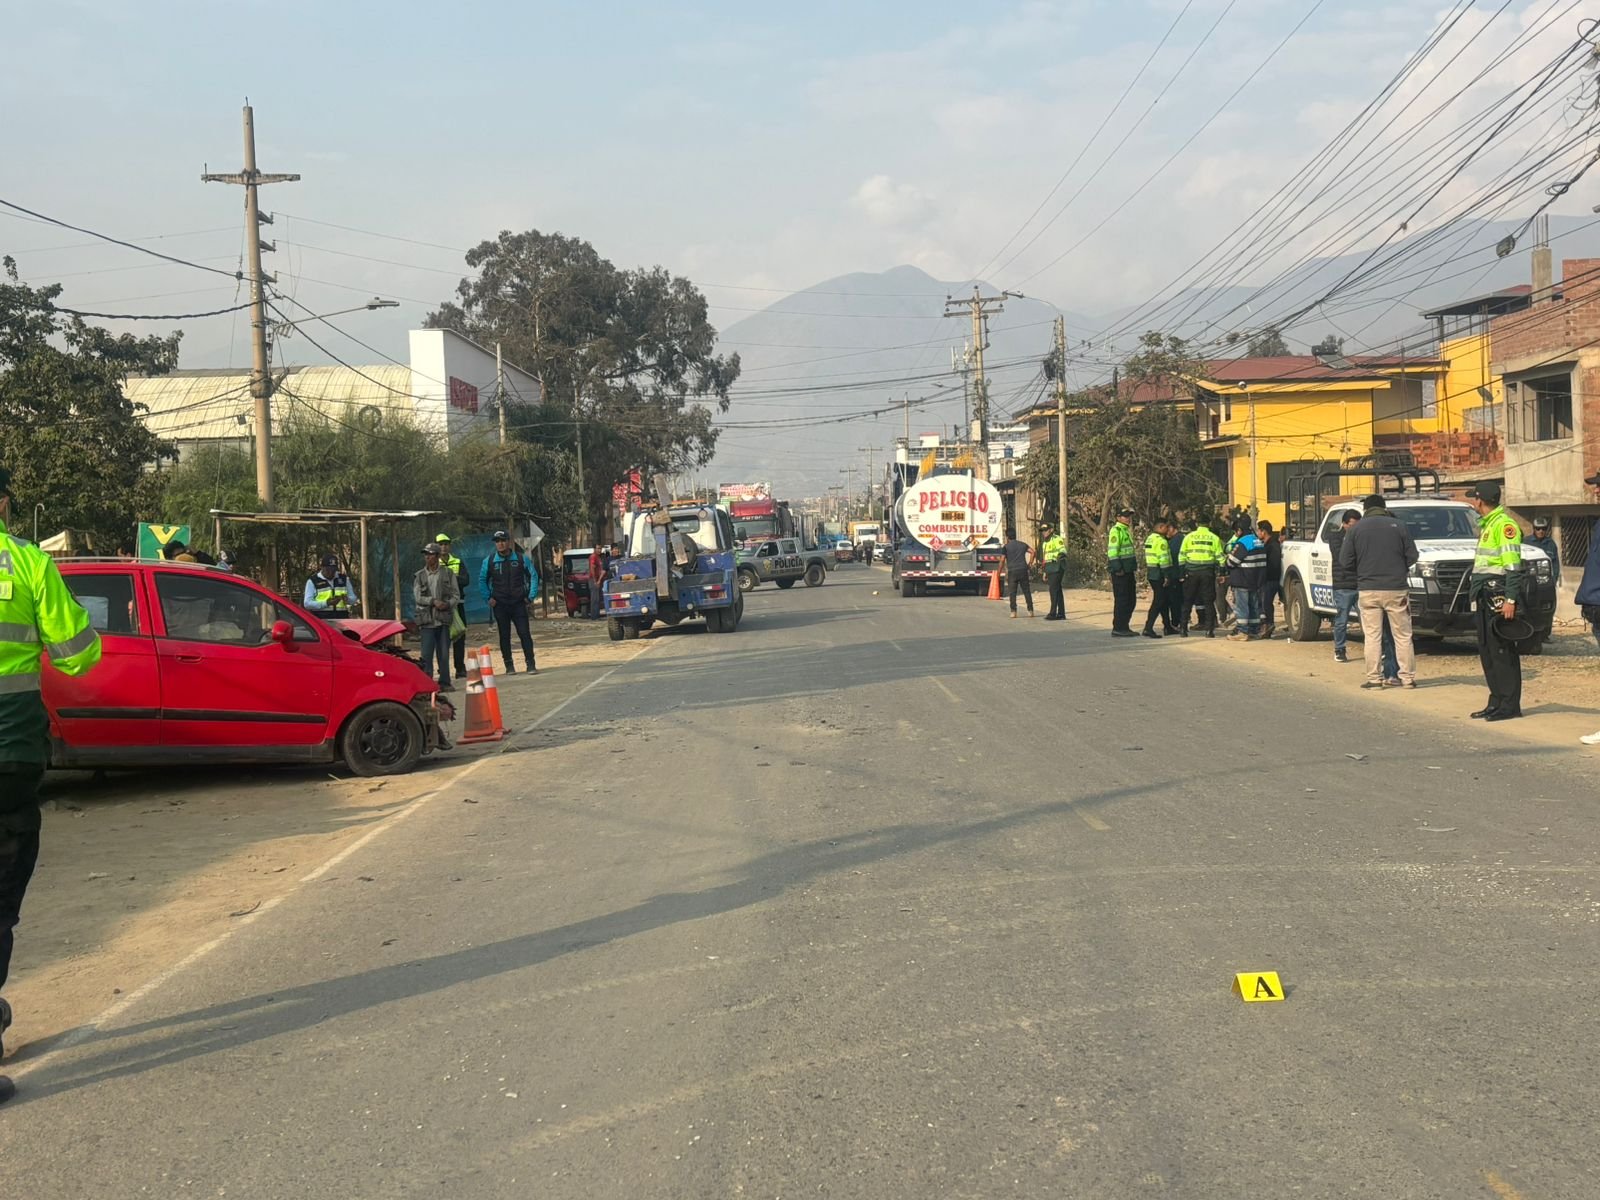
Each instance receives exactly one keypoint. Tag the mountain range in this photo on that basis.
(827, 371)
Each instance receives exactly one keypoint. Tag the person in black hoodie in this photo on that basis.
(1271, 577)
(1344, 586)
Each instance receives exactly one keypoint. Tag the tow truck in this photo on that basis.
(1446, 533)
(678, 564)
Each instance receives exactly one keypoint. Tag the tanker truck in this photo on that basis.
(946, 531)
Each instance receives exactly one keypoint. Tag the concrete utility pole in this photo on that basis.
(850, 490)
(500, 390)
(1061, 425)
(980, 307)
(260, 376)
(872, 480)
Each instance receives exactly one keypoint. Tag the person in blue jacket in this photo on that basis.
(510, 582)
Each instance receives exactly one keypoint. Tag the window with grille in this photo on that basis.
(1539, 407)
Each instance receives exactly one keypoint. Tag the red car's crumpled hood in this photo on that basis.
(370, 631)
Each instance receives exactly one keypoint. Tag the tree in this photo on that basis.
(1329, 345)
(1132, 446)
(71, 438)
(627, 358)
(1268, 343)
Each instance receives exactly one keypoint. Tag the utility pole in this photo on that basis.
(980, 307)
(1255, 510)
(1061, 425)
(260, 376)
(850, 491)
(872, 480)
(964, 359)
(500, 390)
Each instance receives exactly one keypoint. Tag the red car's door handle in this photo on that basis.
(187, 658)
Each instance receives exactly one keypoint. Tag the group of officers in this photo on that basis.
(1183, 564)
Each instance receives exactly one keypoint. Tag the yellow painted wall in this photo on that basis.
(1332, 422)
(1468, 356)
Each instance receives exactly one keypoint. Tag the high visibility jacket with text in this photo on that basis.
(1119, 550)
(1498, 561)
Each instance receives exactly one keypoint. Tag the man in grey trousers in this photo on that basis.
(1381, 551)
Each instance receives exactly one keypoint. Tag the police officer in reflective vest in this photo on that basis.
(1199, 560)
(1157, 566)
(450, 562)
(1055, 565)
(1496, 588)
(330, 590)
(37, 614)
(1123, 564)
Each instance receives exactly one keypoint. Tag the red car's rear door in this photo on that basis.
(119, 702)
(224, 681)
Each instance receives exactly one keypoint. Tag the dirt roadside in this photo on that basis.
(1561, 687)
(138, 869)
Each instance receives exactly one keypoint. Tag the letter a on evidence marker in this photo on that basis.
(1257, 987)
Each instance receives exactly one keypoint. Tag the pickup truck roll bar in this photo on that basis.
(1306, 492)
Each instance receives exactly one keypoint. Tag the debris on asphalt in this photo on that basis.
(1357, 757)
(245, 912)
(1437, 829)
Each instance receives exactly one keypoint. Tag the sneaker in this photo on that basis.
(1340, 656)
(1372, 687)
(445, 687)
(1392, 683)
(1013, 616)
(1239, 637)
(1590, 739)
(1412, 686)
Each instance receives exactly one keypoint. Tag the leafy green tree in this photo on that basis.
(71, 438)
(1268, 343)
(627, 357)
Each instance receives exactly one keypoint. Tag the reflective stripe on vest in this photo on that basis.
(1499, 544)
(1201, 548)
(37, 614)
(1119, 543)
(1055, 548)
(1157, 553)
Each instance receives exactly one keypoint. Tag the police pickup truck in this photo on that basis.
(782, 561)
(1446, 533)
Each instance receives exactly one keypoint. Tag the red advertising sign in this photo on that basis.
(625, 495)
(463, 395)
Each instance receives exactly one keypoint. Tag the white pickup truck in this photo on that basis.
(1446, 533)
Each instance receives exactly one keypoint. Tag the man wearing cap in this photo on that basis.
(1496, 588)
(1157, 566)
(329, 590)
(1542, 539)
(453, 564)
(509, 580)
(436, 593)
(1199, 558)
(1055, 562)
(1122, 562)
(37, 615)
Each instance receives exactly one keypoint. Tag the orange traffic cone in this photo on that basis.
(483, 703)
(994, 586)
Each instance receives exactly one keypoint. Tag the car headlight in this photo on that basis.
(1427, 570)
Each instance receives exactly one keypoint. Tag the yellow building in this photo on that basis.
(1471, 396)
(1263, 421)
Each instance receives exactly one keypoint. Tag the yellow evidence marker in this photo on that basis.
(1257, 987)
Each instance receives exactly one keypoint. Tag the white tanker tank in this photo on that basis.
(949, 530)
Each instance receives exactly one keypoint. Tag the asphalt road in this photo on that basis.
(894, 899)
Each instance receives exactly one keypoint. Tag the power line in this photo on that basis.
(116, 241)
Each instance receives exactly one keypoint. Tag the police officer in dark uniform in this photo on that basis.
(37, 615)
(1496, 588)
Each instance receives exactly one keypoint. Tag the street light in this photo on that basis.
(284, 328)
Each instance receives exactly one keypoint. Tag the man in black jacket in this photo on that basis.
(1271, 577)
(1344, 586)
(1381, 551)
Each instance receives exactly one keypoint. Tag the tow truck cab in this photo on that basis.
(1439, 586)
(677, 564)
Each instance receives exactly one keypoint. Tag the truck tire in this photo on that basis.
(632, 629)
(784, 583)
(1301, 619)
(748, 580)
(381, 739)
(815, 574)
(720, 620)
(614, 629)
(738, 612)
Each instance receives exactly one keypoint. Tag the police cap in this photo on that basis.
(1489, 493)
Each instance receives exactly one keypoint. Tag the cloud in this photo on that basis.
(886, 202)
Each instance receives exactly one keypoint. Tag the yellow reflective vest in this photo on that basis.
(1498, 561)
(38, 616)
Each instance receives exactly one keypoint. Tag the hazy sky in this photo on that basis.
(749, 146)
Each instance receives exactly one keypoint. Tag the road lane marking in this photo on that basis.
(1500, 1187)
(455, 776)
(940, 684)
(896, 645)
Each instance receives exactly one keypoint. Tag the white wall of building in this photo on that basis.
(453, 380)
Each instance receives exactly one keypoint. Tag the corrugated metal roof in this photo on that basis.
(208, 404)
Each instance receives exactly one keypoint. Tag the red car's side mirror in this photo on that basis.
(283, 633)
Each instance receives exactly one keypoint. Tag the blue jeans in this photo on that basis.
(1247, 609)
(1344, 607)
(436, 645)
